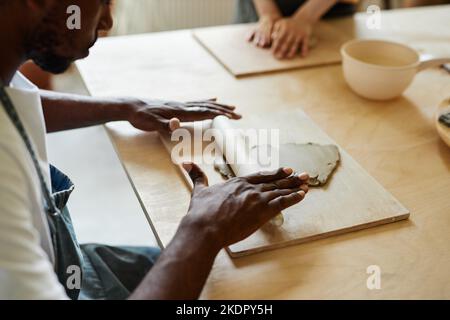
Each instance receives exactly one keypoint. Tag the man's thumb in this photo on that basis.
(198, 177)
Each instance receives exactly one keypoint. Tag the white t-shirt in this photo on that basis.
(26, 251)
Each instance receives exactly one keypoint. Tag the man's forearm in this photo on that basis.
(182, 269)
(66, 111)
(267, 8)
(313, 10)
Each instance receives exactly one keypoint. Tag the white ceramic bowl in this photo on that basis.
(379, 69)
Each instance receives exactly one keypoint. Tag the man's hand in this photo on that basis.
(261, 36)
(290, 36)
(232, 211)
(218, 216)
(166, 116)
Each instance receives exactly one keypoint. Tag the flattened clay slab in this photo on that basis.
(319, 161)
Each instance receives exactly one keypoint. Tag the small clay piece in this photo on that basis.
(445, 119)
(442, 120)
(223, 168)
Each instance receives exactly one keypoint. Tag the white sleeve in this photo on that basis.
(25, 269)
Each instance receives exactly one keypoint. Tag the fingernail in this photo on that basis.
(304, 187)
(187, 166)
(174, 124)
(288, 170)
(302, 193)
(303, 176)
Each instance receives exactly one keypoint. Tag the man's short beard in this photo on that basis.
(50, 62)
(41, 47)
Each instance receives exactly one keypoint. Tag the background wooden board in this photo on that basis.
(229, 46)
(352, 200)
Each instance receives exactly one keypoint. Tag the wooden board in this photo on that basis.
(352, 200)
(229, 46)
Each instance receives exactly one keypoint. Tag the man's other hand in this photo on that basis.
(165, 116)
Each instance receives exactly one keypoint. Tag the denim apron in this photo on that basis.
(106, 272)
(246, 11)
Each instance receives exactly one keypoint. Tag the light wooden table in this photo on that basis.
(394, 141)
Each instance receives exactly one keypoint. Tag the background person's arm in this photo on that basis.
(267, 8)
(268, 13)
(68, 111)
(218, 216)
(291, 34)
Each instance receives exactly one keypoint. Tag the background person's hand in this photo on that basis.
(261, 36)
(233, 210)
(291, 36)
(165, 116)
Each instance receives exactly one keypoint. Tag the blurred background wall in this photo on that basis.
(140, 16)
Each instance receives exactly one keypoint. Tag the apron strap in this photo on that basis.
(14, 117)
